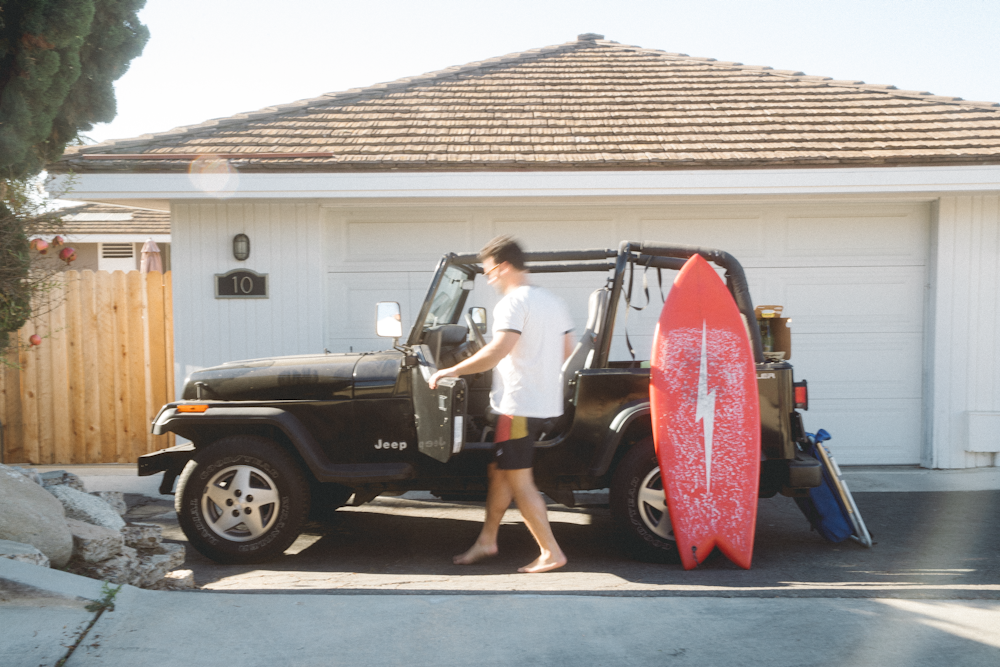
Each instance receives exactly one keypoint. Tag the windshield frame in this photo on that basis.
(442, 280)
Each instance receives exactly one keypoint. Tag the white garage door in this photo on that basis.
(852, 278)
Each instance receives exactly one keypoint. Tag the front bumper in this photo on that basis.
(170, 462)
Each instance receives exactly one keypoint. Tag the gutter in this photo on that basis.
(932, 181)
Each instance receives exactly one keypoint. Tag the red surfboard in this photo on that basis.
(706, 417)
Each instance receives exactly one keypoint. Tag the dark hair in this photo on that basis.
(504, 249)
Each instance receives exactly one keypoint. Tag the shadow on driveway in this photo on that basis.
(928, 545)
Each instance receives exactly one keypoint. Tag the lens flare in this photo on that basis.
(214, 176)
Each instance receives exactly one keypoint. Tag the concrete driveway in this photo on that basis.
(928, 545)
(376, 587)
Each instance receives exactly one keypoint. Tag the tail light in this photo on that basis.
(801, 395)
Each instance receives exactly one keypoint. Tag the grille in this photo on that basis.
(117, 251)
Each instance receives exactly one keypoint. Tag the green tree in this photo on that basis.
(58, 61)
(15, 293)
(25, 275)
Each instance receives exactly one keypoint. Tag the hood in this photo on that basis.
(306, 377)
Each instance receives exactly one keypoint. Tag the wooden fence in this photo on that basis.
(88, 393)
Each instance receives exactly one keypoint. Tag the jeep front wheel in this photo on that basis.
(638, 506)
(243, 499)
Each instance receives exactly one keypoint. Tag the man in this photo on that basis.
(531, 339)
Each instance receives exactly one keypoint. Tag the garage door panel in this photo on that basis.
(843, 238)
(352, 299)
(538, 235)
(845, 300)
(574, 290)
(403, 241)
(418, 282)
(641, 342)
(884, 432)
(877, 366)
(744, 237)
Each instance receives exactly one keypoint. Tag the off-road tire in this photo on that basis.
(638, 468)
(270, 470)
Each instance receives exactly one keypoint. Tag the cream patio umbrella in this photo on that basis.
(151, 260)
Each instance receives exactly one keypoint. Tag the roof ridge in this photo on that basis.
(351, 93)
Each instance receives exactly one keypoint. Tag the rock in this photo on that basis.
(29, 473)
(85, 507)
(143, 535)
(177, 553)
(94, 543)
(114, 498)
(178, 580)
(62, 478)
(154, 564)
(25, 553)
(120, 569)
(31, 515)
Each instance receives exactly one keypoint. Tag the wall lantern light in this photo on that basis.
(241, 246)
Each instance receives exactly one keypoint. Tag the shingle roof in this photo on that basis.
(111, 219)
(591, 104)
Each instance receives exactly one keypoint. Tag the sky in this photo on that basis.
(216, 58)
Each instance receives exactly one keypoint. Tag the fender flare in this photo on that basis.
(628, 415)
(348, 474)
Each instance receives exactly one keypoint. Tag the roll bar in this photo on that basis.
(669, 255)
(642, 253)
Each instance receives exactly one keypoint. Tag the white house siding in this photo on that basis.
(852, 277)
(285, 243)
(965, 341)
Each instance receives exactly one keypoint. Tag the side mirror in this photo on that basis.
(478, 315)
(388, 321)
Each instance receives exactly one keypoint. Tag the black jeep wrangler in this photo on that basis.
(275, 441)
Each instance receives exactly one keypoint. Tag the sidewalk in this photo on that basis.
(184, 629)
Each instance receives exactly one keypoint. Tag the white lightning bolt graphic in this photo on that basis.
(706, 406)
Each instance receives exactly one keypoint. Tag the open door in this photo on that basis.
(440, 413)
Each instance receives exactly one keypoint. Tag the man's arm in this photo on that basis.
(570, 344)
(488, 357)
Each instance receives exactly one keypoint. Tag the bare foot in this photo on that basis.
(477, 553)
(544, 563)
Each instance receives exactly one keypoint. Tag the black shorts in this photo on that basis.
(515, 441)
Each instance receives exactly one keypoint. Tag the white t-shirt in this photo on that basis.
(527, 382)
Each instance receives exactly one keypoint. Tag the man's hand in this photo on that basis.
(444, 373)
(488, 357)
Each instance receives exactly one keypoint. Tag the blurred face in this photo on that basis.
(493, 272)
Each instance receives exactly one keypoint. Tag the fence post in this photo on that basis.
(168, 338)
(137, 364)
(123, 447)
(62, 423)
(13, 426)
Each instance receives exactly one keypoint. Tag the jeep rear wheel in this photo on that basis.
(242, 499)
(638, 506)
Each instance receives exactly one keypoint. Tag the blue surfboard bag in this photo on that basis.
(823, 508)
